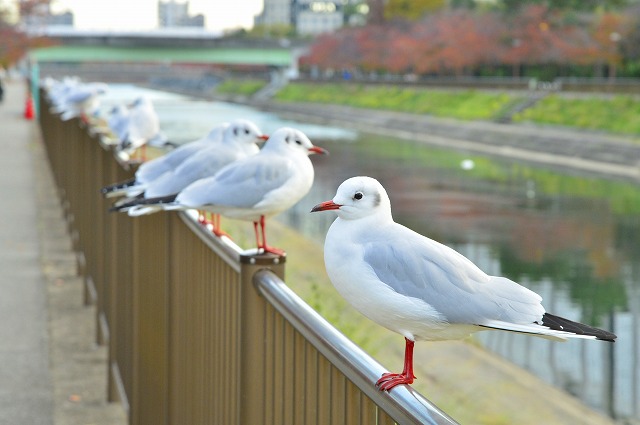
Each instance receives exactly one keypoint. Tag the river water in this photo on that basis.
(574, 240)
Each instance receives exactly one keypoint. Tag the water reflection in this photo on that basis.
(575, 241)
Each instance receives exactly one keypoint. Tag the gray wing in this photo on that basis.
(241, 184)
(153, 169)
(422, 268)
(201, 165)
(80, 94)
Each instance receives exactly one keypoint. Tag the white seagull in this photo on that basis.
(143, 127)
(81, 100)
(222, 145)
(253, 188)
(118, 120)
(420, 288)
(238, 141)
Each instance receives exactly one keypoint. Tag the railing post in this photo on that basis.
(253, 340)
(151, 246)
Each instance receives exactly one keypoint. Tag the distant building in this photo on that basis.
(63, 19)
(41, 16)
(316, 16)
(172, 13)
(312, 17)
(276, 12)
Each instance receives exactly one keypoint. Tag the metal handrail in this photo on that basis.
(404, 404)
(178, 309)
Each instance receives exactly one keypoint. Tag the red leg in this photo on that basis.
(215, 226)
(255, 229)
(215, 219)
(264, 245)
(389, 380)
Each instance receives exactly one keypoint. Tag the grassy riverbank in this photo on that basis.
(460, 104)
(616, 114)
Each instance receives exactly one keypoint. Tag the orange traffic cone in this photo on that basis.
(28, 110)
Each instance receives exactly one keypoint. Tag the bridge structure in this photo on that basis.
(187, 45)
(186, 60)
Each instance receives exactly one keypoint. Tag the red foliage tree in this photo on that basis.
(458, 41)
(609, 31)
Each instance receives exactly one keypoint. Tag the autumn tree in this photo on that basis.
(376, 12)
(609, 31)
(14, 43)
(515, 6)
(463, 40)
(630, 43)
(536, 40)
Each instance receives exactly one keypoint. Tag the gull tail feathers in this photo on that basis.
(135, 191)
(125, 203)
(150, 205)
(117, 189)
(553, 327)
(560, 323)
(139, 210)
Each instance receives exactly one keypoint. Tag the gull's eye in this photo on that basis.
(299, 142)
(246, 131)
(358, 196)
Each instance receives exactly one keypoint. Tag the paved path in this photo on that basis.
(51, 370)
(25, 381)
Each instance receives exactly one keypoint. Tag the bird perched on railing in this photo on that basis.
(118, 120)
(238, 140)
(165, 175)
(142, 128)
(79, 100)
(420, 288)
(253, 188)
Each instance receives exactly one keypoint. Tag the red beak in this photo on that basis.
(326, 206)
(263, 137)
(319, 150)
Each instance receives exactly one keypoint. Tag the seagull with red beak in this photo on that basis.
(252, 189)
(420, 288)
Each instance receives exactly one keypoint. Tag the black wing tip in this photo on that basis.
(144, 201)
(117, 186)
(561, 324)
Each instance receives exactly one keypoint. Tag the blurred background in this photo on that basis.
(569, 66)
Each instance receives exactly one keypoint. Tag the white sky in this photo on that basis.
(143, 14)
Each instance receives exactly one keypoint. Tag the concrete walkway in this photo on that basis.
(25, 381)
(51, 370)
